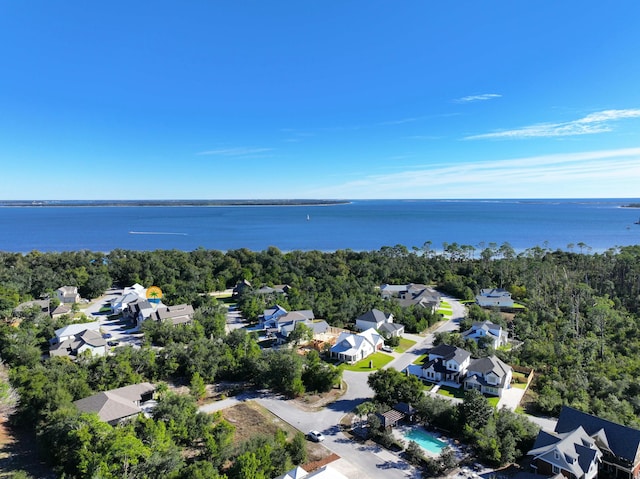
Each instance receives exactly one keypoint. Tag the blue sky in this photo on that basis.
(348, 99)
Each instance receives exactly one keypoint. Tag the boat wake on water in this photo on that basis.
(157, 233)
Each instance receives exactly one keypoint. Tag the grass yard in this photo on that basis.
(445, 309)
(404, 345)
(493, 402)
(378, 359)
(519, 380)
(421, 359)
(451, 392)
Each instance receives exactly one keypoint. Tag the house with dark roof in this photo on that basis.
(275, 289)
(487, 332)
(489, 376)
(619, 445)
(117, 405)
(573, 454)
(412, 295)
(445, 364)
(39, 304)
(381, 322)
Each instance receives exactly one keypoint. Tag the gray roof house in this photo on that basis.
(573, 454)
(489, 376)
(379, 321)
(71, 330)
(42, 304)
(494, 297)
(178, 314)
(87, 340)
(119, 404)
(412, 294)
(620, 445)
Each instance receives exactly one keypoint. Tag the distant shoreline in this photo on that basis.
(138, 203)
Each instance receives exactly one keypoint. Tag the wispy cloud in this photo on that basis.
(598, 122)
(482, 97)
(607, 173)
(237, 151)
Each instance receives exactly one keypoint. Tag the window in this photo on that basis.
(556, 469)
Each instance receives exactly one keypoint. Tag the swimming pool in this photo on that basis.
(425, 440)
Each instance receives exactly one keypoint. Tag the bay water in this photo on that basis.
(597, 224)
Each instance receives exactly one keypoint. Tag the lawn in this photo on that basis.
(519, 380)
(404, 345)
(493, 401)
(451, 392)
(445, 309)
(421, 359)
(378, 360)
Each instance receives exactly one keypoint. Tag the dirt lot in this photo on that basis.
(251, 419)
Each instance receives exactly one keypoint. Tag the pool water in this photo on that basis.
(425, 440)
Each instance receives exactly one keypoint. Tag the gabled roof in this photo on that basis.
(494, 293)
(374, 316)
(391, 328)
(73, 329)
(486, 366)
(573, 451)
(68, 290)
(297, 473)
(623, 441)
(73, 344)
(116, 404)
(178, 314)
(448, 352)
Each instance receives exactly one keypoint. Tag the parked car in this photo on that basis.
(113, 343)
(387, 349)
(315, 436)
(106, 335)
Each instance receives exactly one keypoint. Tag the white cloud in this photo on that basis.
(472, 98)
(597, 122)
(239, 151)
(608, 173)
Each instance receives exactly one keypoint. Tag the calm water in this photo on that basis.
(361, 225)
(425, 440)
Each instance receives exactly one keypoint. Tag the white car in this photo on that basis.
(387, 349)
(315, 436)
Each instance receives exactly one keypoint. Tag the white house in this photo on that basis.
(489, 376)
(491, 297)
(75, 341)
(68, 294)
(489, 330)
(351, 348)
(71, 330)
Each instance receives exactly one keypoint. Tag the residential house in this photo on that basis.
(72, 346)
(71, 330)
(573, 454)
(129, 294)
(60, 310)
(489, 376)
(272, 318)
(412, 295)
(619, 445)
(117, 405)
(493, 333)
(351, 348)
(240, 288)
(494, 297)
(40, 304)
(68, 294)
(276, 289)
(176, 315)
(381, 322)
(140, 310)
(445, 364)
